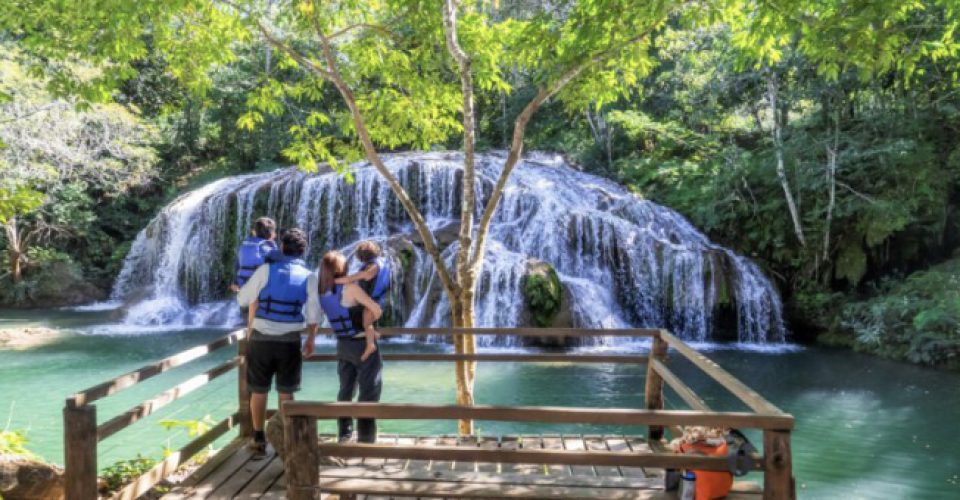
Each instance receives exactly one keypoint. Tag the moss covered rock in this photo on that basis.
(542, 293)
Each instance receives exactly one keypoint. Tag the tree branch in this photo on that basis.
(297, 56)
(374, 158)
(372, 27)
(519, 129)
(468, 199)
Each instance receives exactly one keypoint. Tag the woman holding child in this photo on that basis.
(351, 312)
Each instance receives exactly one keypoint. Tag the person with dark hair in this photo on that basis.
(283, 295)
(255, 250)
(353, 367)
(374, 279)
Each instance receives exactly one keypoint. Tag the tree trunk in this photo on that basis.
(463, 311)
(832, 152)
(463, 317)
(14, 249)
(778, 118)
(15, 266)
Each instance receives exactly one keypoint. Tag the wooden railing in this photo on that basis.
(82, 434)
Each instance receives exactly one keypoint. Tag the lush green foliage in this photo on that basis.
(194, 429)
(118, 474)
(14, 443)
(917, 319)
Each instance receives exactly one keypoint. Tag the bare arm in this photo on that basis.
(251, 289)
(311, 313)
(367, 274)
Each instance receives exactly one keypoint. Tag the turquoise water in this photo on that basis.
(866, 428)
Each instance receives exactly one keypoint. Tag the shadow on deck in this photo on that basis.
(233, 474)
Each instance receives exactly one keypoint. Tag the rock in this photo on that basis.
(547, 303)
(274, 432)
(444, 235)
(25, 478)
(27, 337)
(542, 293)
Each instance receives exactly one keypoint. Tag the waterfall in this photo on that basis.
(623, 261)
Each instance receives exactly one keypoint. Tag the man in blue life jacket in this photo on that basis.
(285, 293)
(256, 249)
(374, 279)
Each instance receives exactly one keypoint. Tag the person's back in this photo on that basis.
(282, 297)
(256, 249)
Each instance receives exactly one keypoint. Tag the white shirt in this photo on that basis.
(251, 292)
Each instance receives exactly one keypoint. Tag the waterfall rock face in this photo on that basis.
(622, 261)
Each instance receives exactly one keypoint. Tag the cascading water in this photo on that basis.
(622, 260)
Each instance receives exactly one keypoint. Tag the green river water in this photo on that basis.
(866, 428)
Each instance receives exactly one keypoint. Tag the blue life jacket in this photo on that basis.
(253, 253)
(285, 293)
(337, 315)
(381, 283)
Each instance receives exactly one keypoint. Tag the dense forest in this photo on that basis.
(833, 161)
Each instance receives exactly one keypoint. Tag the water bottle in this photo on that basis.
(687, 486)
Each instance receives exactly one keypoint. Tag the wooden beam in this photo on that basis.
(653, 387)
(170, 464)
(520, 332)
(117, 384)
(243, 392)
(682, 390)
(302, 461)
(778, 483)
(80, 452)
(501, 357)
(546, 414)
(526, 456)
(489, 477)
(748, 396)
(149, 406)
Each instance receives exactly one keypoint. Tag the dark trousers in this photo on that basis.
(368, 376)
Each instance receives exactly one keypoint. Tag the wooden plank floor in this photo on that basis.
(234, 474)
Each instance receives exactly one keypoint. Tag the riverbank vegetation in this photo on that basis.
(817, 138)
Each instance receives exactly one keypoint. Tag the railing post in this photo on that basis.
(653, 394)
(80, 451)
(302, 463)
(245, 421)
(778, 483)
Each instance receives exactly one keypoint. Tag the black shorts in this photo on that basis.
(269, 358)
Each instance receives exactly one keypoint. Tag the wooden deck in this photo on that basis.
(232, 473)
(529, 466)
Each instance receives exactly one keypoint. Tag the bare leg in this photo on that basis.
(251, 313)
(370, 334)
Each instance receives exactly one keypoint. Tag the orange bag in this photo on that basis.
(710, 484)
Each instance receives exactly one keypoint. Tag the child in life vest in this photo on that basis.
(259, 248)
(709, 441)
(368, 253)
